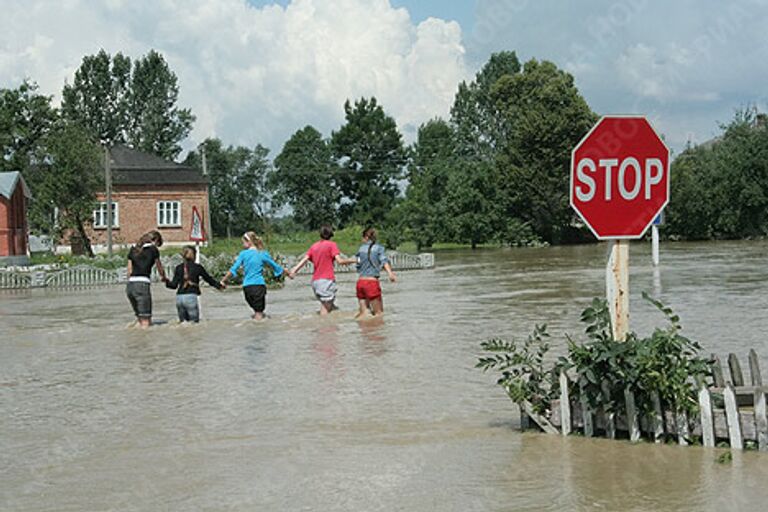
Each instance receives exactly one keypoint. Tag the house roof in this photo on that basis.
(133, 167)
(8, 183)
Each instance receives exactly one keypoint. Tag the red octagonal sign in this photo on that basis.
(620, 177)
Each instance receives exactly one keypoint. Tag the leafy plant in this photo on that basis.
(523, 374)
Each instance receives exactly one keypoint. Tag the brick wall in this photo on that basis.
(138, 213)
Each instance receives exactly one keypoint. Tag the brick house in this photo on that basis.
(14, 232)
(149, 193)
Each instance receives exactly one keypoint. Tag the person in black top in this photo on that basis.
(141, 258)
(186, 278)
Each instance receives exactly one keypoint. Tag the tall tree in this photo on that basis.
(423, 211)
(474, 113)
(26, 119)
(238, 186)
(100, 96)
(371, 158)
(303, 179)
(543, 117)
(156, 124)
(135, 104)
(68, 177)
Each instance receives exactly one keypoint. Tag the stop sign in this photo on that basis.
(620, 177)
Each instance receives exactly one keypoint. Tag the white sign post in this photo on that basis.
(197, 233)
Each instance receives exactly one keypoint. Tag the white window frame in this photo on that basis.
(100, 215)
(169, 214)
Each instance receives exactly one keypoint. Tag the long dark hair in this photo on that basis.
(189, 254)
(370, 235)
(150, 237)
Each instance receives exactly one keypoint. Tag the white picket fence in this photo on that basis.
(82, 276)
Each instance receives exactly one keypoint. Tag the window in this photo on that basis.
(169, 213)
(100, 216)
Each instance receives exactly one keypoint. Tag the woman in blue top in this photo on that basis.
(252, 258)
(370, 259)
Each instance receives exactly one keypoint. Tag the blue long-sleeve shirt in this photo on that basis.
(252, 261)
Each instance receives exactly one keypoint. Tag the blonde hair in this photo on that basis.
(254, 239)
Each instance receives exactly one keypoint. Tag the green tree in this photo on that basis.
(471, 208)
(543, 117)
(238, 186)
(67, 178)
(422, 213)
(156, 124)
(474, 113)
(26, 119)
(371, 157)
(100, 96)
(303, 178)
(134, 104)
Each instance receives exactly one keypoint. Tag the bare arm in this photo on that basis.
(160, 269)
(303, 261)
(345, 261)
(130, 268)
(388, 268)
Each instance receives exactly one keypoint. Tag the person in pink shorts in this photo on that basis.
(323, 254)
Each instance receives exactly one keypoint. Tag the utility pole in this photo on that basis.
(208, 228)
(108, 177)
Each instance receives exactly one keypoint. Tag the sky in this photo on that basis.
(255, 71)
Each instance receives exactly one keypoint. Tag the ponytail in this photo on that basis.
(188, 253)
(370, 235)
(254, 239)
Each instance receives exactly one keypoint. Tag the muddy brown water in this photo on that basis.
(299, 413)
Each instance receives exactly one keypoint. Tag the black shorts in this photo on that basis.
(256, 297)
(141, 299)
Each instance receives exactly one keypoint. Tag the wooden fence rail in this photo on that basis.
(729, 411)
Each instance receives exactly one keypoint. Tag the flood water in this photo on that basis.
(299, 413)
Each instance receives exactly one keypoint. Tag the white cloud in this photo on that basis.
(250, 75)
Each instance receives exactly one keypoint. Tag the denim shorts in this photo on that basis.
(187, 306)
(141, 299)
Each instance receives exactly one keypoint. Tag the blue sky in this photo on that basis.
(254, 71)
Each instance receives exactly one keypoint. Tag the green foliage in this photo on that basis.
(67, 178)
(371, 157)
(523, 374)
(117, 101)
(720, 189)
(304, 179)
(665, 363)
(238, 186)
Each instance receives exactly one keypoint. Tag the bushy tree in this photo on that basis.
(304, 179)
(371, 159)
(136, 104)
(238, 186)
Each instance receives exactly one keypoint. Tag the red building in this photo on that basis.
(149, 193)
(14, 232)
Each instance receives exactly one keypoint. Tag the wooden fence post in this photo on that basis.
(737, 377)
(586, 414)
(657, 418)
(683, 433)
(632, 420)
(565, 404)
(754, 369)
(707, 422)
(732, 418)
(761, 422)
(717, 372)
(610, 416)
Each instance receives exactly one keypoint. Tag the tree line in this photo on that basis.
(496, 171)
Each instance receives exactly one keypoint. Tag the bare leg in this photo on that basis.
(326, 307)
(258, 315)
(145, 322)
(377, 306)
(363, 305)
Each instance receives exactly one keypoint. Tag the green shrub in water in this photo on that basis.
(666, 363)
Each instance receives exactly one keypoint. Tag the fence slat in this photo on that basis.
(707, 421)
(586, 414)
(633, 424)
(657, 419)
(683, 433)
(761, 422)
(754, 369)
(610, 416)
(565, 405)
(737, 377)
(717, 372)
(732, 418)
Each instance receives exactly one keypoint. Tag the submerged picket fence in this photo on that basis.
(89, 276)
(729, 411)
